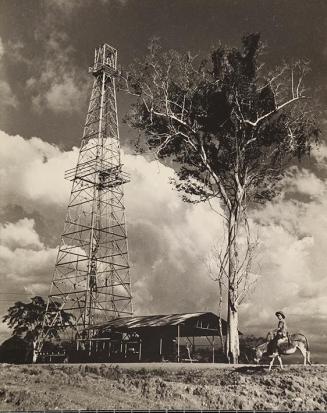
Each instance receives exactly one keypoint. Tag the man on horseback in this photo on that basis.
(281, 330)
(282, 344)
(280, 334)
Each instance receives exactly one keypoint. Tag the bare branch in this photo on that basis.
(265, 116)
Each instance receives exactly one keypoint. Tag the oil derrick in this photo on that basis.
(91, 279)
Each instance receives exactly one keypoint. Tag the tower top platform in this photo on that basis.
(105, 58)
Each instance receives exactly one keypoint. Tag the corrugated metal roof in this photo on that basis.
(153, 320)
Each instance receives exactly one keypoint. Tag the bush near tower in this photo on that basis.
(26, 321)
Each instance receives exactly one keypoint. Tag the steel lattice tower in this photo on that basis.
(91, 278)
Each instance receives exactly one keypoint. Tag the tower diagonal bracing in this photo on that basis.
(91, 279)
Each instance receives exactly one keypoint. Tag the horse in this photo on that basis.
(288, 346)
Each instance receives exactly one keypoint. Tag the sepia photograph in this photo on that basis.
(163, 205)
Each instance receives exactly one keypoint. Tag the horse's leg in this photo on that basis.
(280, 362)
(271, 363)
(304, 354)
(308, 357)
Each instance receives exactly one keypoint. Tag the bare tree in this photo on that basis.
(229, 126)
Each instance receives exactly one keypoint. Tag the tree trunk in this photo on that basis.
(35, 352)
(220, 325)
(232, 341)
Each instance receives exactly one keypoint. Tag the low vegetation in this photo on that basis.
(188, 386)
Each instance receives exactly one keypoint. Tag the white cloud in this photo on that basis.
(65, 95)
(2, 49)
(4, 331)
(304, 182)
(320, 154)
(169, 239)
(20, 234)
(8, 99)
(64, 6)
(293, 258)
(167, 242)
(24, 259)
(26, 264)
(57, 84)
(32, 172)
(61, 94)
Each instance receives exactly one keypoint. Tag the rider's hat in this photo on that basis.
(281, 313)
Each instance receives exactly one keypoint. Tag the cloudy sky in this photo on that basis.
(45, 50)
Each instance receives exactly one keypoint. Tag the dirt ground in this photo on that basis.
(161, 386)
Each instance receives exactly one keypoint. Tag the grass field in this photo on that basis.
(165, 385)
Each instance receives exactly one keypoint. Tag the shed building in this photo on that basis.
(173, 337)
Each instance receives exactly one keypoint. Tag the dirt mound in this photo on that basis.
(49, 387)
